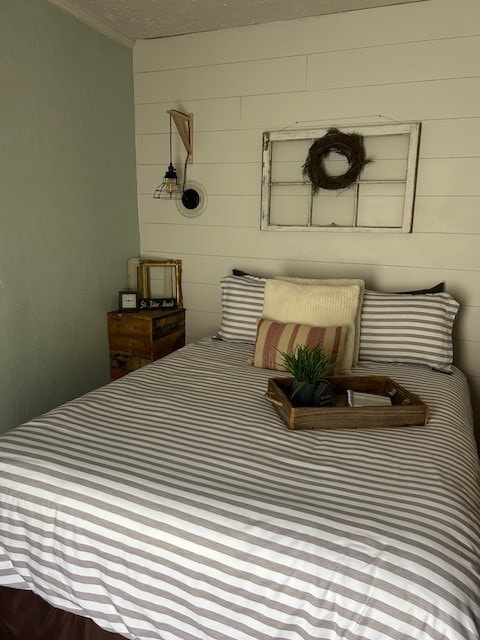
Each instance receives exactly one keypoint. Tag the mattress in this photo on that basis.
(174, 504)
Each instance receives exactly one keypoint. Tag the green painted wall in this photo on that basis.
(68, 212)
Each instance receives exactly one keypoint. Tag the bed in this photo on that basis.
(174, 504)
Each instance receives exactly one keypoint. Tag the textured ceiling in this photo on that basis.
(142, 19)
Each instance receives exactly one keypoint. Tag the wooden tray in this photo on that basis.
(406, 408)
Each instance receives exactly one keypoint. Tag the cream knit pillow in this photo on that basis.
(338, 282)
(316, 305)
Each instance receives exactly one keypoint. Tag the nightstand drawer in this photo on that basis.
(136, 339)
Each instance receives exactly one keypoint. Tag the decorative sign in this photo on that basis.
(147, 304)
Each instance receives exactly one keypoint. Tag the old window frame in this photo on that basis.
(412, 130)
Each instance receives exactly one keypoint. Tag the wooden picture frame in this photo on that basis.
(175, 267)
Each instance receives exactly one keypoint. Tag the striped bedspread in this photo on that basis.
(174, 504)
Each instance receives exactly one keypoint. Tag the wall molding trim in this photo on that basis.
(95, 23)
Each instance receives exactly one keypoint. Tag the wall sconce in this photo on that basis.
(190, 196)
(171, 189)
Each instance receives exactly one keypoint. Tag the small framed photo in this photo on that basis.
(127, 301)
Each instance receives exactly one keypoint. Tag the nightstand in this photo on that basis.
(138, 338)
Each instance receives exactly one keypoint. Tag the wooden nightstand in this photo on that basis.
(138, 338)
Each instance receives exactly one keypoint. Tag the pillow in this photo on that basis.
(315, 305)
(244, 274)
(413, 329)
(242, 305)
(438, 288)
(275, 337)
(338, 282)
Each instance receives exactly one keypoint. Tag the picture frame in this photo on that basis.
(171, 277)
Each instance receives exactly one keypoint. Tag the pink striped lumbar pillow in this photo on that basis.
(273, 338)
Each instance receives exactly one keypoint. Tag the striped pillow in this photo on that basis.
(276, 337)
(414, 329)
(242, 305)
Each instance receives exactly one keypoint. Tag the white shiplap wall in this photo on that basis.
(413, 62)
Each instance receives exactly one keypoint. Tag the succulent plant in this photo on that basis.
(307, 364)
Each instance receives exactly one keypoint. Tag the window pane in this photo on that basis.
(290, 150)
(380, 205)
(385, 170)
(289, 205)
(288, 172)
(334, 209)
(387, 147)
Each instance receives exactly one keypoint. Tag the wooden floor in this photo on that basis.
(26, 616)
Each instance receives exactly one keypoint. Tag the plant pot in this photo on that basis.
(316, 394)
(303, 394)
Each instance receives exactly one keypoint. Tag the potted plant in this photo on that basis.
(308, 366)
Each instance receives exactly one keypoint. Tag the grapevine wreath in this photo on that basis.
(349, 145)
